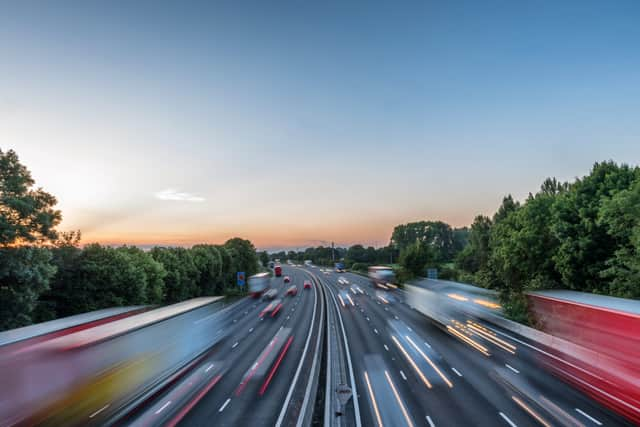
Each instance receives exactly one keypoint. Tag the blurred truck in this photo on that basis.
(277, 270)
(339, 266)
(382, 277)
(595, 345)
(258, 284)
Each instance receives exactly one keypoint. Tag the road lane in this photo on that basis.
(479, 394)
(259, 401)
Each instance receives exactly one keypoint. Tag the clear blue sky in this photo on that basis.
(292, 123)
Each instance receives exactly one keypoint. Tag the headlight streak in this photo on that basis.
(531, 411)
(373, 400)
(435, 368)
(395, 392)
(482, 349)
(495, 340)
(413, 364)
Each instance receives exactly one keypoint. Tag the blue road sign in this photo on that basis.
(240, 277)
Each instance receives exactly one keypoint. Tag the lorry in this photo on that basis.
(595, 347)
(382, 277)
(258, 284)
(339, 266)
(277, 270)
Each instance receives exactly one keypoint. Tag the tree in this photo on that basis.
(586, 245)
(437, 234)
(414, 258)
(621, 216)
(27, 217)
(245, 255)
(208, 261)
(24, 274)
(180, 283)
(263, 256)
(474, 257)
(154, 273)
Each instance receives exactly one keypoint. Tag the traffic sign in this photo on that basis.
(240, 277)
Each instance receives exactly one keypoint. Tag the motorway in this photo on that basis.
(408, 371)
(278, 363)
(260, 375)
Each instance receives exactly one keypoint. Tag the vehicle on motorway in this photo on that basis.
(258, 284)
(271, 264)
(277, 270)
(596, 345)
(307, 262)
(270, 294)
(272, 309)
(292, 291)
(287, 279)
(307, 284)
(339, 266)
(382, 277)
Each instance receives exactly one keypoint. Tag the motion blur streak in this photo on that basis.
(395, 392)
(435, 368)
(531, 412)
(184, 411)
(410, 360)
(275, 367)
(373, 399)
(500, 343)
(469, 341)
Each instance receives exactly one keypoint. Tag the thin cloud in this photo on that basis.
(178, 196)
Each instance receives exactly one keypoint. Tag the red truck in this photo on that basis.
(598, 349)
(277, 270)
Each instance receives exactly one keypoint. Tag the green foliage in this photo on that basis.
(443, 241)
(24, 274)
(27, 217)
(180, 282)
(358, 266)
(26, 214)
(244, 255)
(621, 216)
(415, 257)
(586, 245)
(263, 256)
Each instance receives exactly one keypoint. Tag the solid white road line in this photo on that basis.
(581, 412)
(163, 407)
(511, 423)
(99, 410)
(431, 424)
(287, 399)
(456, 371)
(356, 406)
(512, 368)
(224, 405)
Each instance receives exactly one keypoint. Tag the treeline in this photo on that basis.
(325, 255)
(416, 246)
(45, 274)
(583, 235)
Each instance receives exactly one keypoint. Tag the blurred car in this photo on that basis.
(272, 309)
(307, 284)
(293, 291)
(287, 279)
(270, 294)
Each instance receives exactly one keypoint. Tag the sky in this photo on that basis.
(300, 123)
